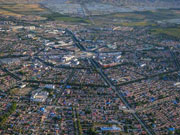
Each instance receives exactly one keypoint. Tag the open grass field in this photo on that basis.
(129, 15)
(143, 18)
(154, 14)
(174, 32)
(138, 24)
(72, 19)
(160, 14)
(65, 18)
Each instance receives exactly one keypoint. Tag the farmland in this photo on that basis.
(173, 31)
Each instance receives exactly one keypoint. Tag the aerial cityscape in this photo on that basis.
(89, 67)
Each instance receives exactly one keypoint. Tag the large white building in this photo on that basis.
(39, 96)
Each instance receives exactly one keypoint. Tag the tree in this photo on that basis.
(125, 128)
(87, 110)
(177, 132)
(92, 131)
(80, 127)
(5, 116)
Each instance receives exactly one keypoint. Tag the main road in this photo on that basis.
(96, 66)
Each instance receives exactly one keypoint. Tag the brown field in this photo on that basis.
(21, 10)
(4, 12)
(18, 1)
(21, 92)
(22, 7)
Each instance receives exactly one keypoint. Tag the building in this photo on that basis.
(39, 96)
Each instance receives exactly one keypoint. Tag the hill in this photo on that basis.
(156, 3)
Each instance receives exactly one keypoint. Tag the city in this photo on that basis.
(69, 75)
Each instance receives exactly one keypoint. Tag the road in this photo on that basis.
(176, 61)
(96, 66)
(33, 105)
(87, 13)
(76, 40)
(64, 86)
(99, 69)
(10, 73)
(119, 93)
(58, 66)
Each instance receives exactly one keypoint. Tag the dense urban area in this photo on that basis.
(78, 71)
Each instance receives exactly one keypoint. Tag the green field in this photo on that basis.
(143, 18)
(138, 24)
(140, 15)
(128, 16)
(65, 18)
(158, 14)
(174, 32)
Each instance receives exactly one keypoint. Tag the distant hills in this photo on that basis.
(157, 3)
(122, 3)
